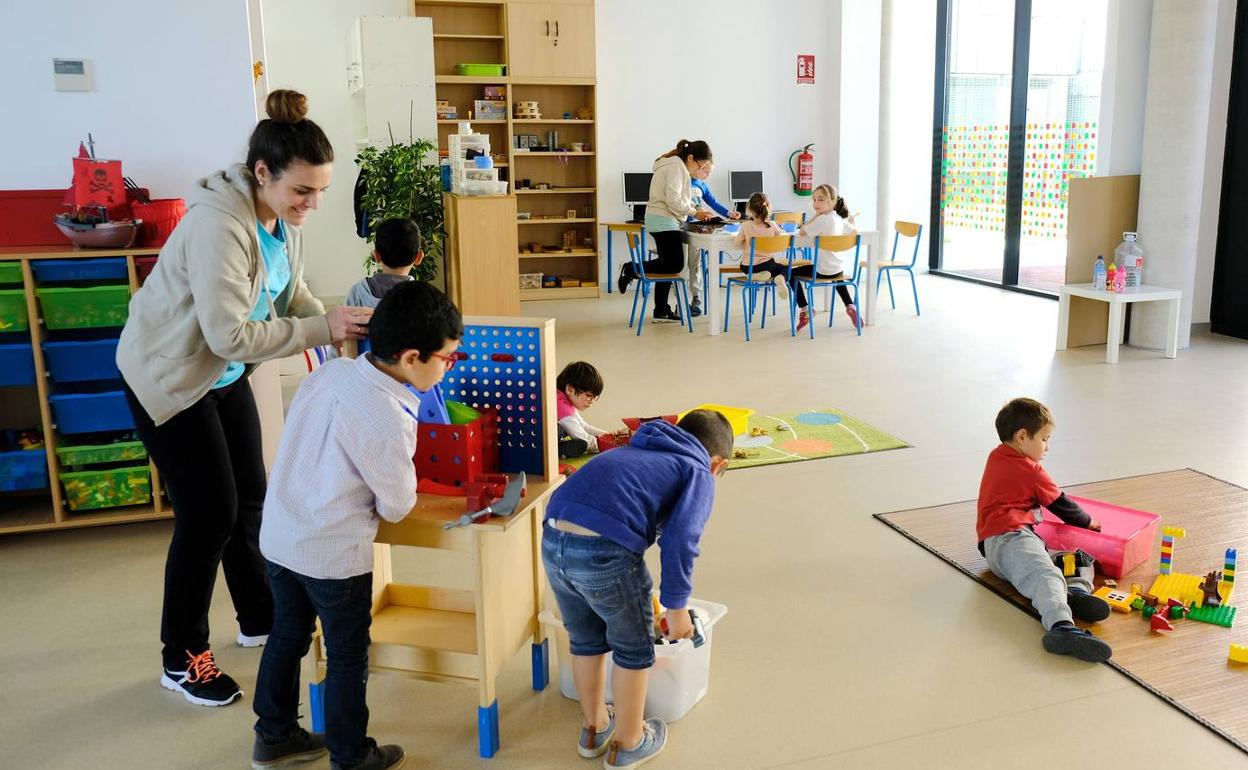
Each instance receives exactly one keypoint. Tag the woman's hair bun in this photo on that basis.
(286, 106)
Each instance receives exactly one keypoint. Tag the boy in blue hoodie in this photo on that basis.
(598, 526)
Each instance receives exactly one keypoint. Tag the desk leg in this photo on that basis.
(541, 645)
(710, 303)
(1172, 327)
(610, 276)
(1063, 320)
(488, 632)
(868, 294)
(1114, 333)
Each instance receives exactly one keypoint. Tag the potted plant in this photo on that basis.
(404, 180)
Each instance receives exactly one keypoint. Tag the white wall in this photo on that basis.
(727, 75)
(1124, 86)
(859, 76)
(306, 45)
(173, 97)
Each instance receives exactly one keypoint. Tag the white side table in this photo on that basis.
(1117, 302)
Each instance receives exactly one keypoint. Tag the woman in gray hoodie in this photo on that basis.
(671, 202)
(227, 293)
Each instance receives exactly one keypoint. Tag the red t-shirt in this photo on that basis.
(1013, 487)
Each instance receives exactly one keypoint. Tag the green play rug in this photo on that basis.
(814, 435)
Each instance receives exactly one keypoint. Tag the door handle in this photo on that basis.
(556, 28)
(548, 28)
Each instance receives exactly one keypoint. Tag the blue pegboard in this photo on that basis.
(513, 388)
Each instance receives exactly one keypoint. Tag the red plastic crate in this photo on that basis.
(454, 454)
(1124, 542)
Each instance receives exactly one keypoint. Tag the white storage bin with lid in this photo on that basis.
(679, 678)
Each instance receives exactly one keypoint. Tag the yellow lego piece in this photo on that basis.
(1176, 585)
(1225, 588)
(1239, 653)
(1174, 531)
(1137, 589)
(1068, 565)
(1116, 598)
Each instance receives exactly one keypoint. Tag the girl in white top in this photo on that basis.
(831, 217)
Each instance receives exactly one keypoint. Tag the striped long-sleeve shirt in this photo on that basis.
(345, 459)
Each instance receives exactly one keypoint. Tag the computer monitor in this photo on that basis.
(743, 184)
(636, 188)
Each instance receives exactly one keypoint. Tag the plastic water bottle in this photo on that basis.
(1112, 274)
(1098, 273)
(1130, 257)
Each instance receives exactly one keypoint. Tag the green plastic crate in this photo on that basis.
(87, 490)
(10, 273)
(102, 453)
(13, 316)
(480, 70)
(85, 308)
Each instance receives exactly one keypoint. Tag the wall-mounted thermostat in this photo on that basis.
(71, 74)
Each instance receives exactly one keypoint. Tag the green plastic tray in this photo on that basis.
(87, 490)
(85, 308)
(13, 316)
(480, 70)
(102, 453)
(10, 273)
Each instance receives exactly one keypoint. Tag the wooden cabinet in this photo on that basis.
(482, 267)
(551, 39)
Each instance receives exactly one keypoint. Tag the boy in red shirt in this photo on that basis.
(1011, 494)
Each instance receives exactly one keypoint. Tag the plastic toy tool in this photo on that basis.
(699, 630)
(503, 506)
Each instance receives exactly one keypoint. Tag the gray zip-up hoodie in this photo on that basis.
(191, 317)
(671, 193)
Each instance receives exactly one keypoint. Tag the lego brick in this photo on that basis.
(1174, 531)
(1185, 588)
(1219, 616)
(1238, 653)
(1117, 599)
(1159, 623)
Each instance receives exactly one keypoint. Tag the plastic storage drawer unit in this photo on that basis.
(85, 308)
(13, 316)
(94, 454)
(10, 273)
(85, 490)
(23, 469)
(91, 412)
(17, 364)
(54, 270)
(82, 361)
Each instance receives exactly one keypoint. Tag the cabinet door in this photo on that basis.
(530, 40)
(574, 40)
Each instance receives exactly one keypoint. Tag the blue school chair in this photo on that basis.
(764, 244)
(909, 230)
(833, 243)
(636, 252)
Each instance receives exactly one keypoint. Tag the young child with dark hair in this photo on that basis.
(344, 463)
(598, 526)
(396, 249)
(579, 386)
(1013, 490)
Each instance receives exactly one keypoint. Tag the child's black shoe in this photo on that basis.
(571, 448)
(300, 746)
(1068, 639)
(1087, 607)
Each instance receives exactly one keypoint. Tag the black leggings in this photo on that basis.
(805, 271)
(671, 259)
(209, 457)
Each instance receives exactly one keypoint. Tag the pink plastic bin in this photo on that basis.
(1124, 542)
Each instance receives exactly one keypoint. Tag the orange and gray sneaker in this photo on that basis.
(852, 312)
(802, 320)
(202, 683)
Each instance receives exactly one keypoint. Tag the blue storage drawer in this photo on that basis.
(82, 361)
(53, 270)
(23, 469)
(91, 412)
(17, 364)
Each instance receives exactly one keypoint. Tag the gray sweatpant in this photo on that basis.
(693, 260)
(1020, 557)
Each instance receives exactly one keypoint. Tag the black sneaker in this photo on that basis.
(626, 277)
(301, 746)
(664, 315)
(202, 683)
(1064, 639)
(378, 758)
(695, 309)
(571, 448)
(1087, 607)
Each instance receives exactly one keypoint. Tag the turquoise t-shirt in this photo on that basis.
(277, 266)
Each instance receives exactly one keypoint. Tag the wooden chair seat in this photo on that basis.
(663, 276)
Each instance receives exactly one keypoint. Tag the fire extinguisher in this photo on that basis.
(804, 174)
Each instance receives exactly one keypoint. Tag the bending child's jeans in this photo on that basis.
(345, 610)
(603, 592)
(1021, 558)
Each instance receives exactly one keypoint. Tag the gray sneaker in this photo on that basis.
(653, 739)
(594, 743)
(299, 746)
(695, 308)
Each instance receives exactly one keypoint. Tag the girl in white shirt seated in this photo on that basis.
(831, 217)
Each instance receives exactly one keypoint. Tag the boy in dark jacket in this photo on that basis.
(598, 527)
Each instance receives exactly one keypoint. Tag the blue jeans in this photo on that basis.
(603, 591)
(345, 610)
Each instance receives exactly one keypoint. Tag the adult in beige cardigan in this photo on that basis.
(227, 293)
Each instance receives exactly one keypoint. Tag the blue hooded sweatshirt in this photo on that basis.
(658, 487)
(703, 191)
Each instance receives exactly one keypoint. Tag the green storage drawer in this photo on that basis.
(480, 70)
(13, 316)
(95, 454)
(86, 490)
(10, 273)
(85, 308)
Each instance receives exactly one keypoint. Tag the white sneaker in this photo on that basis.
(252, 641)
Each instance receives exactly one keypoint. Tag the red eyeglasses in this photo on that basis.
(450, 361)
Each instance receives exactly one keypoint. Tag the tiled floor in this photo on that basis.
(845, 645)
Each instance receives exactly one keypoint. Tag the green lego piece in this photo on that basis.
(1177, 613)
(1148, 611)
(1219, 616)
(1137, 603)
